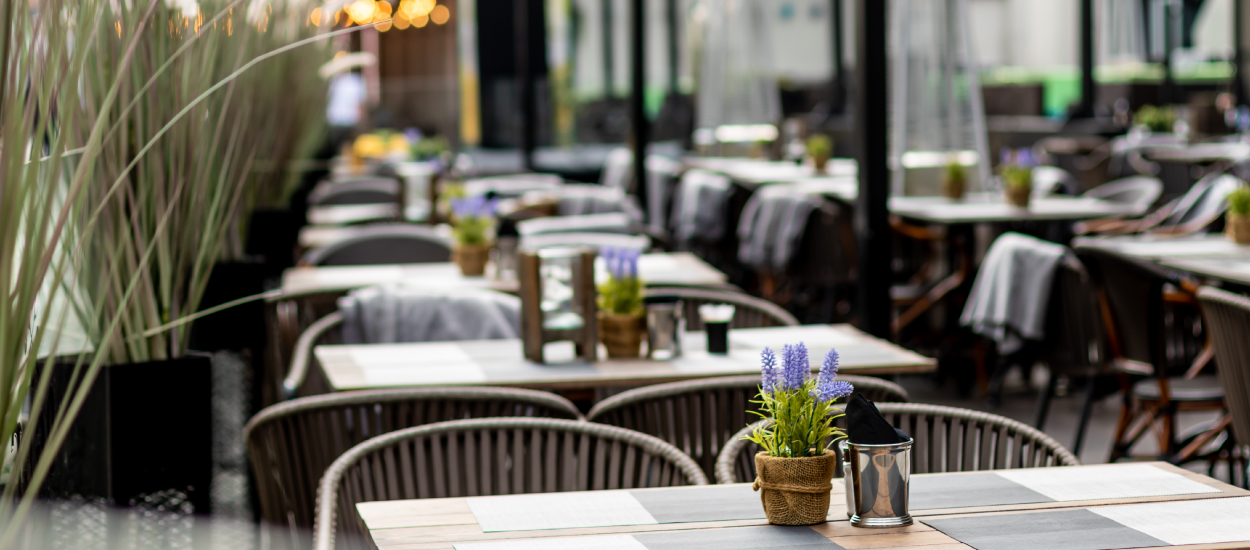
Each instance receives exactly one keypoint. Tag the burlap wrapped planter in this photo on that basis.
(622, 334)
(471, 258)
(1237, 228)
(795, 491)
(1018, 196)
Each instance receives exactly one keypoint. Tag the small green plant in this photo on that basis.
(800, 406)
(1239, 201)
(621, 294)
(820, 145)
(475, 219)
(430, 148)
(1157, 119)
(1016, 168)
(955, 171)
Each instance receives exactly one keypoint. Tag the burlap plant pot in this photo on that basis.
(1018, 195)
(795, 491)
(1237, 228)
(622, 334)
(471, 258)
(953, 188)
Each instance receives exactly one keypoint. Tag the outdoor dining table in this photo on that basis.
(758, 171)
(1108, 506)
(346, 214)
(660, 269)
(502, 363)
(1208, 255)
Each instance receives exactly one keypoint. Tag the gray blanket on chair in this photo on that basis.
(772, 225)
(396, 314)
(1011, 292)
(699, 206)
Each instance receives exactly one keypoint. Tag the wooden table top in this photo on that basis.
(344, 214)
(990, 207)
(501, 362)
(677, 268)
(1165, 248)
(442, 523)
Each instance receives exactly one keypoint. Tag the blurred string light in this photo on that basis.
(384, 15)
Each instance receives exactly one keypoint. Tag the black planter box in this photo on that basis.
(144, 429)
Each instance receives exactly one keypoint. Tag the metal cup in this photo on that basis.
(877, 480)
(664, 328)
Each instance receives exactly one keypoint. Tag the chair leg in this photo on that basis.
(1087, 408)
(1001, 367)
(1043, 402)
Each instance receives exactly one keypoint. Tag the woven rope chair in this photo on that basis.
(948, 439)
(291, 444)
(749, 311)
(497, 456)
(1228, 322)
(698, 416)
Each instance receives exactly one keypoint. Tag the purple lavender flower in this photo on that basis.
(795, 365)
(474, 207)
(828, 389)
(622, 263)
(1024, 157)
(770, 377)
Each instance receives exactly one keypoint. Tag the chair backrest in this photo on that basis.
(698, 416)
(1051, 180)
(291, 444)
(498, 456)
(1075, 337)
(618, 169)
(1131, 292)
(749, 311)
(1139, 191)
(947, 439)
(1204, 203)
(357, 191)
(399, 313)
(389, 244)
(1228, 322)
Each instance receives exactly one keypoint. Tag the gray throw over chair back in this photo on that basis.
(1228, 322)
(291, 444)
(384, 244)
(496, 456)
(749, 311)
(947, 439)
(698, 416)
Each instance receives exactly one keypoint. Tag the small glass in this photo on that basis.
(664, 327)
(716, 318)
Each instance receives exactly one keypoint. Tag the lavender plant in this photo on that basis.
(800, 406)
(622, 292)
(1017, 168)
(475, 219)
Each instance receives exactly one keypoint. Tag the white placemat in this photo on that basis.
(1105, 482)
(558, 511)
(423, 375)
(1206, 521)
(387, 355)
(813, 336)
(605, 542)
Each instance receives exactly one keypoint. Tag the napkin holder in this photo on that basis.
(877, 483)
(558, 300)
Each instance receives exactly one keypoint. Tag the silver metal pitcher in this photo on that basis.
(877, 482)
(664, 327)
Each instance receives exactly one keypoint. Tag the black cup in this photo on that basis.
(717, 337)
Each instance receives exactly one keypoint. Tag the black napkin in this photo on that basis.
(866, 426)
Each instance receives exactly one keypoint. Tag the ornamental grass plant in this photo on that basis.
(800, 406)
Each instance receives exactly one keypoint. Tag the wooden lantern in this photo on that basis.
(558, 300)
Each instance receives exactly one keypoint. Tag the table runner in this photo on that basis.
(739, 502)
(1175, 523)
(743, 538)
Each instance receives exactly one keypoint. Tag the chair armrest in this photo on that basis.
(303, 353)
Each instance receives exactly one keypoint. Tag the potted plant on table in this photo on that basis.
(622, 323)
(797, 464)
(819, 148)
(472, 230)
(1237, 220)
(1017, 174)
(954, 180)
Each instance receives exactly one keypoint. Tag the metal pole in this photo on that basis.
(872, 216)
(525, 80)
(1239, 81)
(673, 50)
(838, 97)
(638, 88)
(1088, 89)
(1169, 86)
(609, 84)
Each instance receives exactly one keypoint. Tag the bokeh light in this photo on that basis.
(361, 11)
(401, 21)
(315, 17)
(420, 21)
(440, 14)
(384, 7)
